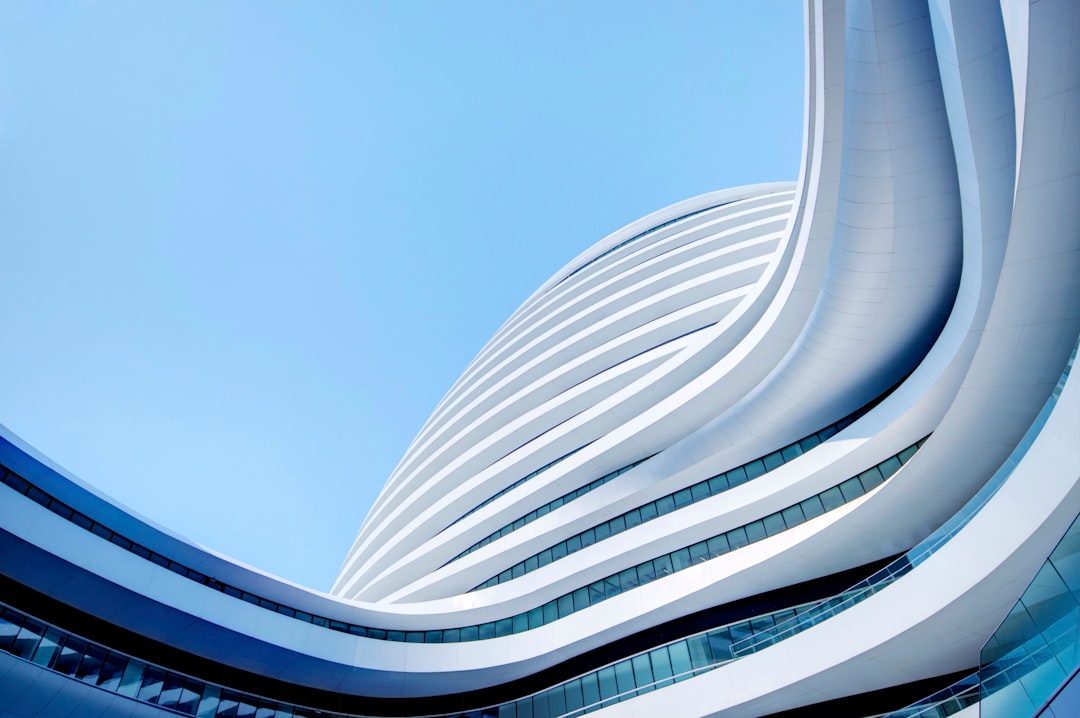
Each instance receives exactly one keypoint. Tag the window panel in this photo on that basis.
(70, 656)
(755, 531)
(608, 686)
(812, 507)
(112, 670)
(661, 663)
(851, 489)
(773, 460)
(774, 524)
(718, 545)
(48, 648)
(680, 658)
(624, 676)
(152, 682)
(832, 498)
(643, 674)
(793, 515)
(590, 688)
(551, 612)
(737, 476)
(26, 642)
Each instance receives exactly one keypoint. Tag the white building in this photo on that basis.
(766, 449)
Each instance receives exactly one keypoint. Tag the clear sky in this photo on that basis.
(245, 247)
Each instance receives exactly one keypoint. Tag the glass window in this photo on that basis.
(648, 512)
(755, 531)
(773, 460)
(523, 708)
(228, 705)
(700, 655)
(505, 576)
(581, 599)
(683, 498)
(556, 701)
(737, 538)
(832, 498)
(720, 643)
(718, 484)
(889, 467)
(111, 671)
(189, 696)
(70, 655)
(551, 612)
(574, 697)
(718, 545)
(871, 479)
(544, 557)
(632, 518)
(662, 565)
(531, 564)
(680, 559)
(700, 491)
(851, 489)
(737, 476)
(812, 507)
(680, 658)
(590, 689)
(624, 676)
(48, 648)
(588, 538)
(170, 690)
(646, 572)
(468, 633)
(612, 587)
(791, 452)
(573, 544)
(602, 531)
(907, 453)
(132, 680)
(661, 663)
(643, 674)
(503, 627)
(486, 630)
(608, 686)
(558, 551)
(26, 642)
(521, 623)
(699, 552)
(754, 469)
(566, 605)
(774, 524)
(809, 442)
(827, 433)
(153, 680)
(617, 525)
(793, 515)
(596, 592)
(665, 505)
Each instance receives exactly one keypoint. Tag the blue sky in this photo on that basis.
(245, 247)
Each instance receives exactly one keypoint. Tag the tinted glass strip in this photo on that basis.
(662, 506)
(562, 606)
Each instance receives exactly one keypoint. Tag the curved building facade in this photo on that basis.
(786, 449)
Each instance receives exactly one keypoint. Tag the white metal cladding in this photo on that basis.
(924, 271)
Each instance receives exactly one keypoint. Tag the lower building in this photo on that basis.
(792, 449)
